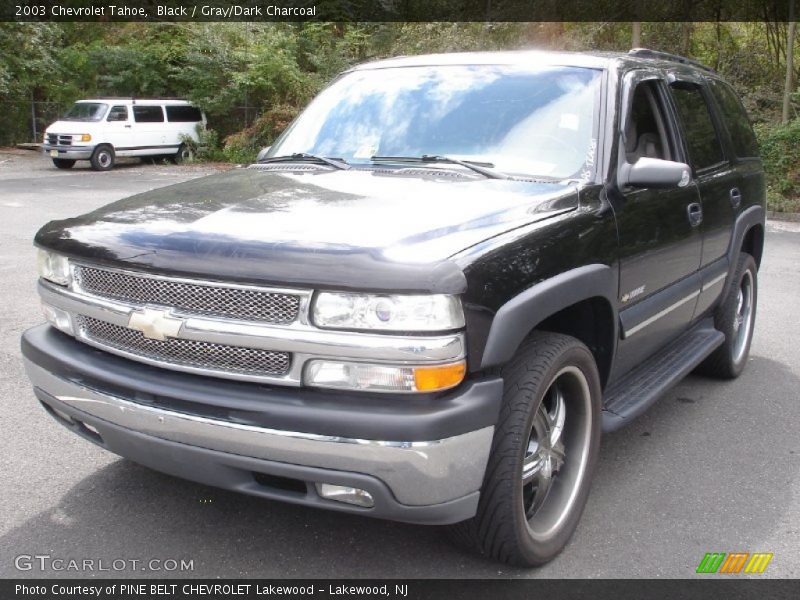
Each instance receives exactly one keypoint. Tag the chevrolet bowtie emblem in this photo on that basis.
(155, 324)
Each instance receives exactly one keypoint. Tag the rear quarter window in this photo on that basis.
(735, 119)
(148, 114)
(183, 114)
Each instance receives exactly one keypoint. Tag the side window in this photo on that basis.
(702, 141)
(183, 114)
(118, 113)
(148, 114)
(735, 118)
(645, 127)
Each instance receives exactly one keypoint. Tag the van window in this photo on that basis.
(183, 114)
(118, 113)
(148, 114)
(703, 143)
(735, 118)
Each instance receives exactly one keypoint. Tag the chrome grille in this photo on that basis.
(187, 353)
(189, 297)
(55, 139)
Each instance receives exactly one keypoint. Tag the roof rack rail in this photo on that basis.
(648, 53)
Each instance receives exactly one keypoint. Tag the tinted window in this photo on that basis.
(148, 114)
(701, 136)
(735, 119)
(118, 113)
(183, 114)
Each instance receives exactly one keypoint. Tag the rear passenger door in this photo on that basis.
(717, 177)
(149, 130)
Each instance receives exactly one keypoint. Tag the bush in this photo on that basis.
(245, 145)
(207, 147)
(780, 151)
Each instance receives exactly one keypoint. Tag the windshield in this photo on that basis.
(85, 111)
(530, 120)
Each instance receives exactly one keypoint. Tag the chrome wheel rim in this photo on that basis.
(743, 320)
(556, 453)
(104, 159)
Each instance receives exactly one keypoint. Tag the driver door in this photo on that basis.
(660, 238)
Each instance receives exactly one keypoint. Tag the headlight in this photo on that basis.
(383, 378)
(430, 312)
(54, 267)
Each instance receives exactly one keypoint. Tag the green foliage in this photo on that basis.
(780, 151)
(252, 79)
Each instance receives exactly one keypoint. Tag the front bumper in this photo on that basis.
(68, 152)
(432, 481)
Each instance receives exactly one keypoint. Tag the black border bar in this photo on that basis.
(699, 588)
(393, 10)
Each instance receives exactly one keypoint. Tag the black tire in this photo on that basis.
(103, 158)
(508, 525)
(183, 155)
(63, 163)
(736, 322)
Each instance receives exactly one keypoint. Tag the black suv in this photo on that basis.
(427, 299)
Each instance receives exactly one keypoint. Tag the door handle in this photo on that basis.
(127, 126)
(695, 214)
(736, 197)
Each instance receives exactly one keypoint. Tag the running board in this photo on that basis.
(627, 398)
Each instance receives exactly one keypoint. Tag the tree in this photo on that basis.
(789, 87)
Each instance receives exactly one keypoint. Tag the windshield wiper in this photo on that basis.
(479, 167)
(337, 163)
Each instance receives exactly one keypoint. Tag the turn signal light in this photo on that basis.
(86, 137)
(429, 379)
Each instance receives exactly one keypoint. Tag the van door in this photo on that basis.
(118, 130)
(150, 133)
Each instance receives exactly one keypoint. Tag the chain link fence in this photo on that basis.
(25, 121)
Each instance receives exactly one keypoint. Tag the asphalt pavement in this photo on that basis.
(712, 467)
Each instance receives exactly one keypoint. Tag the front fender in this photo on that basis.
(517, 317)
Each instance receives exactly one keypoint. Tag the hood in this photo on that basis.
(377, 229)
(67, 127)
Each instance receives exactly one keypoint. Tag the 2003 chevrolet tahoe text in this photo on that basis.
(427, 299)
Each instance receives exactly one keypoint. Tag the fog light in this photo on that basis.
(343, 493)
(58, 318)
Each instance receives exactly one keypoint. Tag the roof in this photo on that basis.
(138, 100)
(593, 60)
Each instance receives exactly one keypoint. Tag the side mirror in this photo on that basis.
(654, 172)
(263, 153)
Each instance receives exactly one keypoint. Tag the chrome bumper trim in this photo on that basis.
(303, 341)
(69, 152)
(418, 473)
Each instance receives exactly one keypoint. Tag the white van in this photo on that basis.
(102, 129)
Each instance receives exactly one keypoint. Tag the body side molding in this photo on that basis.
(517, 317)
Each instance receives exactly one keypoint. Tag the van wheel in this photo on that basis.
(183, 155)
(103, 158)
(735, 317)
(63, 163)
(543, 454)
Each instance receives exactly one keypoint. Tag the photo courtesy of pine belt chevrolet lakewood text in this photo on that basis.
(427, 299)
